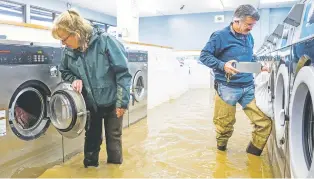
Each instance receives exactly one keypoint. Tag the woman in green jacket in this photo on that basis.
(96, 65)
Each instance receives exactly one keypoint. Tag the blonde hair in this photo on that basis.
(72, 22)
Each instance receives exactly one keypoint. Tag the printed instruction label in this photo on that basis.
(3, 130)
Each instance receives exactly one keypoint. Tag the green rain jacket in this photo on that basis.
(103, 70)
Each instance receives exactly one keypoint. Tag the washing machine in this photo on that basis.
(38, 112)
(301, 131)
(291, 143)
(281, 94)
(138, 68)
(279, 91)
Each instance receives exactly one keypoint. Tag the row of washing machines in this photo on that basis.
(289, 51)
(41, 119)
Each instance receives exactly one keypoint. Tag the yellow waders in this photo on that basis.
(224, 119)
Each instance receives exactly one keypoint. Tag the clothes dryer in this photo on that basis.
(137, 63)
(37, 111)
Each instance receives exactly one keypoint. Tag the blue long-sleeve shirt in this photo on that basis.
(225, 45)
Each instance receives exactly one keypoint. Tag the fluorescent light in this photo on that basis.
(276, 1)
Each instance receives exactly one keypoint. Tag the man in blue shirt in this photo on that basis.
(235, 44)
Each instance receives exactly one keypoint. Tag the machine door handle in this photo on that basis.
(145, 66)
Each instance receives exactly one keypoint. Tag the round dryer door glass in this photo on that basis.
(61, 112)
(68, 112)
(138, 86)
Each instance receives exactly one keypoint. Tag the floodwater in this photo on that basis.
(176, 140)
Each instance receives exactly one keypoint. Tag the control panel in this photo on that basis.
(28, 54)
(137, 56)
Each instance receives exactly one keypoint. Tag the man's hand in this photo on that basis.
(77, 85)
(229, 68)
(265, 68)
(120, 112)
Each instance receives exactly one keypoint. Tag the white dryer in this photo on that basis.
(137, 63)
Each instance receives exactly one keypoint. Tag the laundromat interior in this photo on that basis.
(174, 55)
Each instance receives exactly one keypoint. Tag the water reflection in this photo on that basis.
(177, 140)
(255, 167)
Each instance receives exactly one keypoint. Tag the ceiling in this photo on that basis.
(172, 7)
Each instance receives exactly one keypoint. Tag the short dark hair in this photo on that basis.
(246, 10)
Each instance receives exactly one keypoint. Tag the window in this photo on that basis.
(99, 25)
(112, 30)
(11, 11)
(111, 27)
(41, 17)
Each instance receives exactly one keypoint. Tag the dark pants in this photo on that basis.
(113, 132)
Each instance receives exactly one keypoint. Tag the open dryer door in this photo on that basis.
(67, 111)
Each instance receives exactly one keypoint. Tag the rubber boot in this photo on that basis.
(91, 159)
(251, 149)
(222, 148)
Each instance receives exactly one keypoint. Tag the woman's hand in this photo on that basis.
(77, 85)
(120, 112)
